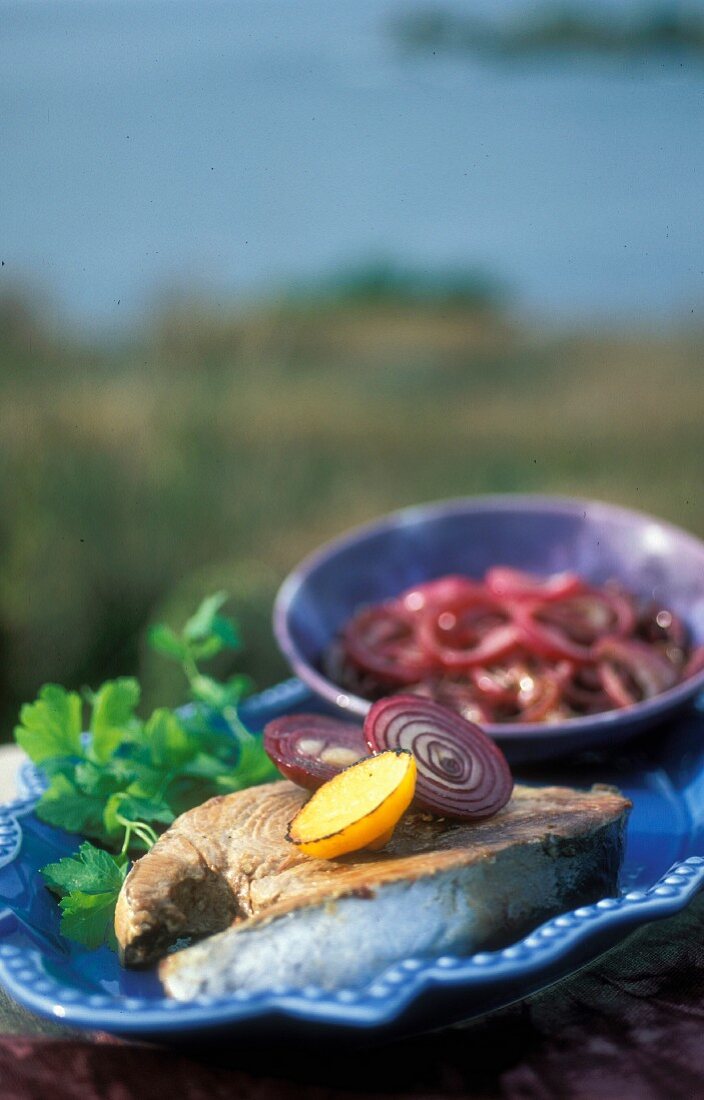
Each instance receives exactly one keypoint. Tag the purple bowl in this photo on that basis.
(543, 535)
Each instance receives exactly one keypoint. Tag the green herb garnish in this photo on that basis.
(129, 778)
(88, 885)
(206, 634)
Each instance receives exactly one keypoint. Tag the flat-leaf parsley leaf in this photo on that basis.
(51, 726)
(88, 884)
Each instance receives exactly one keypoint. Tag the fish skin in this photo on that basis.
(292, 920)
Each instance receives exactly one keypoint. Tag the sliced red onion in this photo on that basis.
(476, 645)
(624, 611)
(461, 772)
(589, 616)
(544, 639)
(445, 591)
(617, 688)
(695, 663)
(658, 624)
(514, 584)
(496, 683)
(481, 649)
(583, 691)
(309, 749)
(458, 695)
(382, 640)
(632, 670)
(539, 696)
(336, 665)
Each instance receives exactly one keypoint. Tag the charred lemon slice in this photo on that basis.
(356, 809)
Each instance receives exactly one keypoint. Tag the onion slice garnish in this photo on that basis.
(461, 772)
(309, 749)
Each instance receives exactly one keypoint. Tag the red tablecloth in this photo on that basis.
(629, 1027)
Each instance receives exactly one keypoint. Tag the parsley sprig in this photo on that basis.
(125, 778)
(88, 884)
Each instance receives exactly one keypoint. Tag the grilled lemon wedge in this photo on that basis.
(358, 808)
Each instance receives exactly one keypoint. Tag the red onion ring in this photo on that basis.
(472, 628)
(495, 643)
(624, 612)
(587, 617)
(582, 689)
(627, 664)
(455, 694)
(309, 749)
(695, 663)
(382, 640)
(461, 772)
(514, 584)
(657, 624)
(547, 641)
(445, 591)
(497, 683)
(541, 698)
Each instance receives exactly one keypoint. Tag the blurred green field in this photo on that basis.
(213, 450)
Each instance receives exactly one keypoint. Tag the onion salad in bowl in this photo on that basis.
(558, 625)
(515, 647)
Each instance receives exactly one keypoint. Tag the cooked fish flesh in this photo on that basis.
(285, 919)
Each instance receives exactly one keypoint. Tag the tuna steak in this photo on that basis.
(439, 886)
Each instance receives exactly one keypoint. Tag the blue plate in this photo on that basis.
(664, 867)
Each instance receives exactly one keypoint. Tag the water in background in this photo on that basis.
(234, 147)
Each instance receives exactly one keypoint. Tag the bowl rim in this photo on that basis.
(348, 703)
